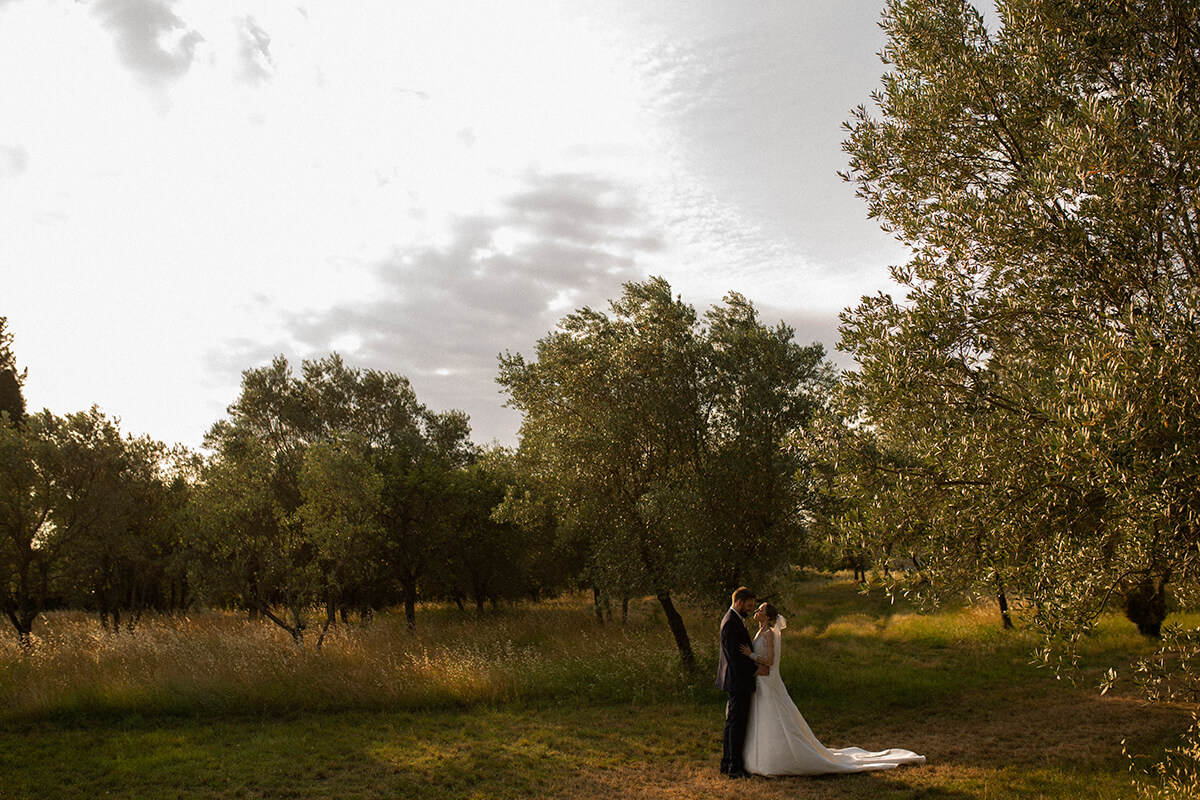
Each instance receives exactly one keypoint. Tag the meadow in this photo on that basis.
(538, 700)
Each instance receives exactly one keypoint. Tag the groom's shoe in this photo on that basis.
(739, 774)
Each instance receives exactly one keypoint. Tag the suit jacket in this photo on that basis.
(735, 671)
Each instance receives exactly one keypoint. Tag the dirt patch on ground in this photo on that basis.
(1042, 738)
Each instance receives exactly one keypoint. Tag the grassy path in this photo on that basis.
(863, 673)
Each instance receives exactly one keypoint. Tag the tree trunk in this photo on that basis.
(330, 618)
(23, 624)
(479, 593)
(330, 614)
(679, 631)
(137, 600)
(297, 630)
(1006, 619)
(1146, 605)
(410, 604)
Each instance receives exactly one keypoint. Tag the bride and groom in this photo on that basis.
(764, 731)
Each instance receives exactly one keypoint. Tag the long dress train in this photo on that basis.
(779, 741)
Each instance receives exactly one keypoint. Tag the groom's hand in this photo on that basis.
(763, 669)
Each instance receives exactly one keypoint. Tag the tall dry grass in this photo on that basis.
(520, 703)
(218, 661)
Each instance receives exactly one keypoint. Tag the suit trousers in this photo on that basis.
(737, 714)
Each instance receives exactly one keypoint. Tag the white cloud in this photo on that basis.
(440, 314)
(417, 184)
(254, 52)
(151, 40)
(13, 161)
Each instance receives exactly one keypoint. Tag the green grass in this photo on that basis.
(538, 701)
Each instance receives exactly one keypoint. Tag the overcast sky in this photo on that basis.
(190, 188)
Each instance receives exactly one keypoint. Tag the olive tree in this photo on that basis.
(659, 437)
(324, 487)
(1026, 413)
(68, 491)
(12, 400)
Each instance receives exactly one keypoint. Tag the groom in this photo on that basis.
(735, 675)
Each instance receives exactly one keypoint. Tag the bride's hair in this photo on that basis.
(771, 613)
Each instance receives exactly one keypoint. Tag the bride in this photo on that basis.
(778, 740)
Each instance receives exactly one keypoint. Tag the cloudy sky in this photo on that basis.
(190, 187)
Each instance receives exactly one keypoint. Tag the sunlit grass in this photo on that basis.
(216, 661)
(540, 700)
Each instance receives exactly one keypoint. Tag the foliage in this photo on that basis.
(1177, 776)
(12, 401)
(85, 515)
(658, 440)
(25, 509)
(1035, 391)
(340, 514)
(326, 489)
(133, 557)
(486, 558)
(1027, 417)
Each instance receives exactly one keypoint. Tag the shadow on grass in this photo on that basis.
(862, 671)
(669, 751)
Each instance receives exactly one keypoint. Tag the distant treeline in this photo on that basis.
(653, 461)
(334, 491)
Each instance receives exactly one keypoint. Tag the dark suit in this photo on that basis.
(735, 675)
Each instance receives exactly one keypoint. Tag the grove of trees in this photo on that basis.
(1023, 421)
(84, 512)
(657, 458)
(325, 494)
(657, 440)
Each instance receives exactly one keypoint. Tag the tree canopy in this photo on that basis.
(12, 400)
(659, 438)
(1027, 414)
(85, 515)
(327, 488)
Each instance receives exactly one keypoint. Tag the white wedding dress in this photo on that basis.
(779, 741)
